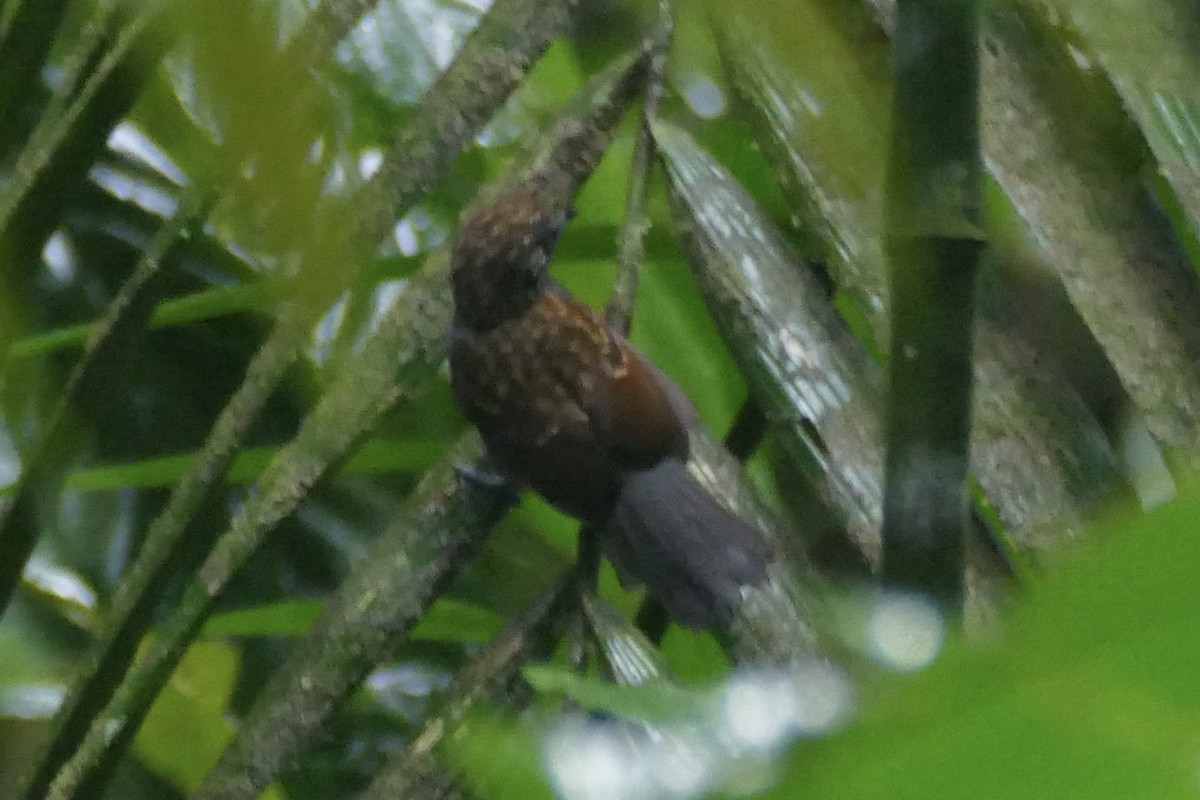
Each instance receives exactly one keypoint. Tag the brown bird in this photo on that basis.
(567, 407)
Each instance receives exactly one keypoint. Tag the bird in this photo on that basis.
(567, 407)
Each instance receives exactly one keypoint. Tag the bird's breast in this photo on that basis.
(564, 404)
(531, 385)
(538, 373)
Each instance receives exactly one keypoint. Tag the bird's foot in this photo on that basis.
(481, 479)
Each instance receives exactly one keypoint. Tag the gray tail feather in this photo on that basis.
(693, 555)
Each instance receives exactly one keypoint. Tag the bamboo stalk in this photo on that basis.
(934, 239)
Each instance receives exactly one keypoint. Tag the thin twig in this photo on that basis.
(631, 241)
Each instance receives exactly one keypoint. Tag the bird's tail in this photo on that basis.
(692, 554)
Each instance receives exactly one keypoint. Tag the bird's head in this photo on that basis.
(501, 256)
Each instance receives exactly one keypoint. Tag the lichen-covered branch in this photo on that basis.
(1036, 450)
(438, 125)
(439, 529)
(494, 676)
(1058, 142)
(399, 359)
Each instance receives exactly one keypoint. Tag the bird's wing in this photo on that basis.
(634, 413)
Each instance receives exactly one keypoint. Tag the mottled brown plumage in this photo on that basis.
(568, 408)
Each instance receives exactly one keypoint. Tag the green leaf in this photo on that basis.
(373, 457)
(287, 618)
(657, 701)
(450, 620)
(202, 305)
(185, 731)
(498, 757)
(1089, 690)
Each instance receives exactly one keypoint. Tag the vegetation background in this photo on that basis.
(220, 315)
